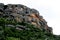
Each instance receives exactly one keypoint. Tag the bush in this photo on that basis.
(11, 33)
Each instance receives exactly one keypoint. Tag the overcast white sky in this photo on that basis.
(49, 9)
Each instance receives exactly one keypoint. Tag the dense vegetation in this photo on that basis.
(32, 33)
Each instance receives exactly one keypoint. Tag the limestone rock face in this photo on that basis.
(21, 13)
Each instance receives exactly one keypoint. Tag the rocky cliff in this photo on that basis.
(19, 22)
(21, 13)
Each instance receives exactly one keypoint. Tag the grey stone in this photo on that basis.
(49, 29)
(1, 10)
(1, 5)
(33, 20)
(40, 17)
(20, 27)
(9, 25)
(34, 11)
(27, 11)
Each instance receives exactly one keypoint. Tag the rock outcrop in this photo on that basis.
(21, 13)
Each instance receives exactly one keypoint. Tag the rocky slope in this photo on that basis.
(22, 13)
(19, 22)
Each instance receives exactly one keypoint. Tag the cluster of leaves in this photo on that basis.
(11, 33)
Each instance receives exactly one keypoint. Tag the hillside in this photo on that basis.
(19, 22)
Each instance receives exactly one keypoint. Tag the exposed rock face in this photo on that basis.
(22, 13)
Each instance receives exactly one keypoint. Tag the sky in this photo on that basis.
(49, 9)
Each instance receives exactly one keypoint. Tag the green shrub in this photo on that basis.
(11, 33)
